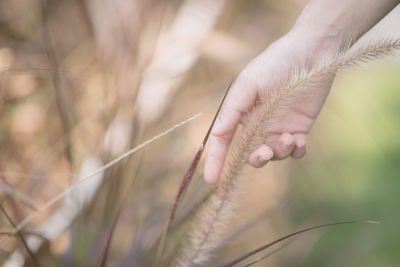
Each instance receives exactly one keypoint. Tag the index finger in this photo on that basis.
(238, 100)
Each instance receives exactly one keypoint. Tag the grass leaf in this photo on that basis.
(257, 250)
(60, 196)
(104, 254)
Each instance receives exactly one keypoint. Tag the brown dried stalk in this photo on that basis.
(34, 261)
(56, 80)
(9, 190)
(92, 175)
(215, 217)
(187, 178)
(104, 256)
(264, 247)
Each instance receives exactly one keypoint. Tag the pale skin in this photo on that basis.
(323, 28)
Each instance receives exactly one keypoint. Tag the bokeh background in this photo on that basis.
(81, 82)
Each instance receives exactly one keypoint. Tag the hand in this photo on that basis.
(287, 135)
(321, 29)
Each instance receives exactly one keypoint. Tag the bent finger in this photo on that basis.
(236, 103)
(261, 156)
(300, 148)
(284, 146)
(220, 139)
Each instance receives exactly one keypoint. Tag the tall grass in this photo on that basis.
(215, 217)
(54, 200)
(93, 70)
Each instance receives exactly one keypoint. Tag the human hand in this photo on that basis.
(287, 134)
(320, 31)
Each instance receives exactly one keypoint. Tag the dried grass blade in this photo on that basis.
(186, 180)
(63, 109)
(21, 237)
(267, 255)
(104, 255)
(257, 250)
(17, 195)
(60, 196)
(218, 211)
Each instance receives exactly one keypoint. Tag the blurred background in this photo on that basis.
(81, 82)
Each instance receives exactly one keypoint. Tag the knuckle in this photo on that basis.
(222, 139)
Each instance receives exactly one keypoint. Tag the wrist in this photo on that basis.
(336, 24)
(332, 25)
(319, 41)
(323, 37)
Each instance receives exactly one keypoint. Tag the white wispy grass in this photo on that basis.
(214, 219)
(94, 174)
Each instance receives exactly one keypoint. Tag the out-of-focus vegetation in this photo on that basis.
(83, 81)
(352, 171)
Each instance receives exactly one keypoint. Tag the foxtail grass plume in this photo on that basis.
(214, 219)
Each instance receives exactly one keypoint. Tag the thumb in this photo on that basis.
(236, 103)
(220, 139)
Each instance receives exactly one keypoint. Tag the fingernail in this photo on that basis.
(288, 142)
(266, 157)
(301, 143)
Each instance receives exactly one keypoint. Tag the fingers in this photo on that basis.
(284, 146)
(220, 138)
(300, 149)
(261, 156)
(290, 145)
(287, 145)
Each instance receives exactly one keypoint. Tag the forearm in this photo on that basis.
(339, 22)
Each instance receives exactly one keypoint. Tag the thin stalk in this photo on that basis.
(56, 80)
(218, 211)
(187, 178)
(269, 254)
(257, 250)
(60, 196)
(103, 258)
(9, 190)
(106, 250)
(21, 237)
